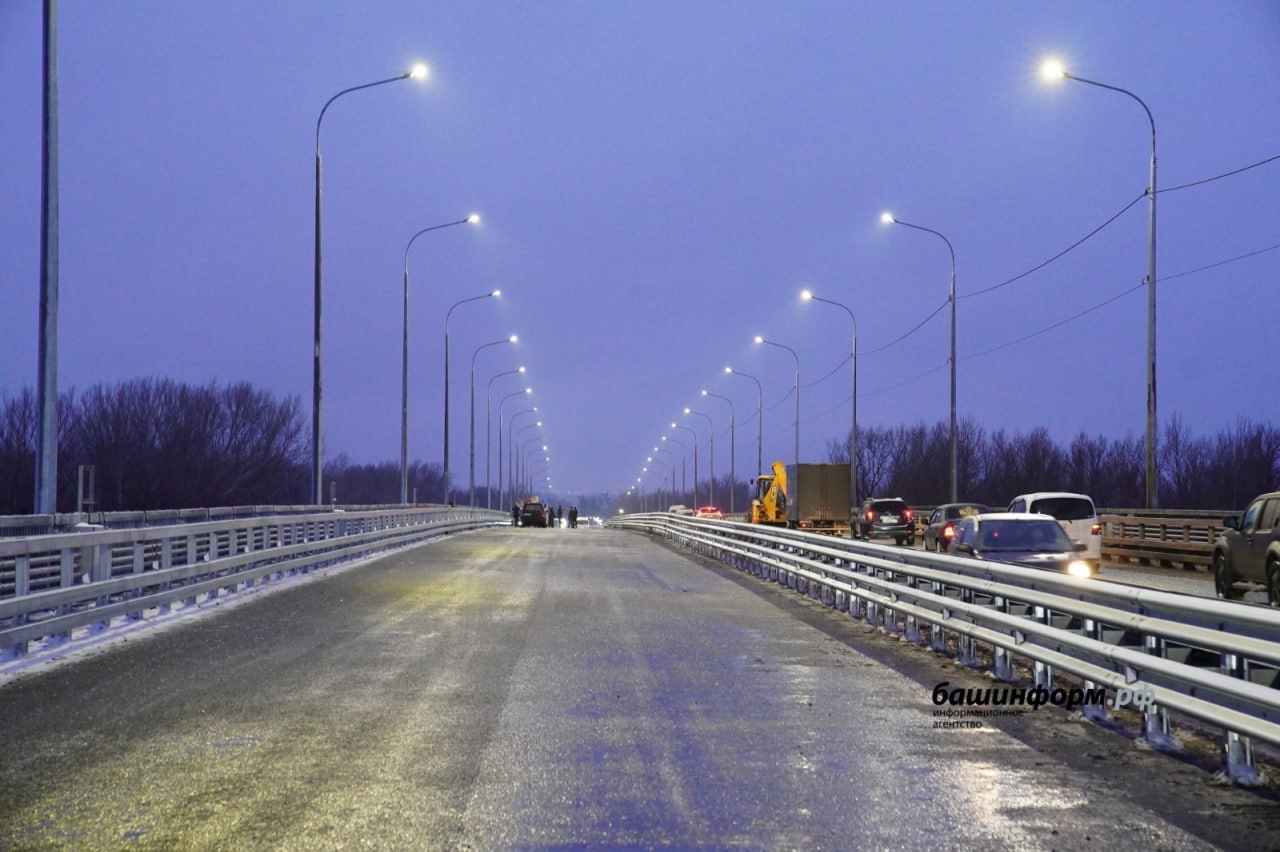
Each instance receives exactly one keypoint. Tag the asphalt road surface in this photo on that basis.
(582, 688)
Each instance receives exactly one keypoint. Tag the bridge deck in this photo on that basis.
(528, 688)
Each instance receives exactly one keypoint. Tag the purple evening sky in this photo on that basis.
(658, 182)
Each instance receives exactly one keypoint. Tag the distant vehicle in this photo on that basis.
(1076, 514)
(680, 509)
(812, 497)
(885, 517)
(533, 514)
(942, 524)
(709, 512)
(1035, 541)
(1248, 549)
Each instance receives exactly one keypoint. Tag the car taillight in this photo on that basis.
(1096, 529)
(871, 516)
(907, 514)
(948, 532)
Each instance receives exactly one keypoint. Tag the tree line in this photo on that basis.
(1220, 471)
(161, 444)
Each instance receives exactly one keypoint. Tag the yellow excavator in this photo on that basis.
(770, 504)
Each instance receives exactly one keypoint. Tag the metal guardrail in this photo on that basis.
(1215, 661)
(12, 526)
(50, 585)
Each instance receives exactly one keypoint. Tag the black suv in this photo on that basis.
(533, 515)
(885, 517)
(1249, 549)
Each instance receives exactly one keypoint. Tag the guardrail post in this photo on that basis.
(1042, 673)
(166, 562)
(99, 570)
(1093, 712)
(1155, 720)
(1237, 751)
(139, 565)
(21, 587)
(966, 647)
(937, 633)
(1002, 664)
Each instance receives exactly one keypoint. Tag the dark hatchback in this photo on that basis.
(885, 517)
(943, 521)
(1036, 541)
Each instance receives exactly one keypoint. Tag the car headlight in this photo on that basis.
(1079, 568)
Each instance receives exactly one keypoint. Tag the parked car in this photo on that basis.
(1076, 514)
(1035, 541)
(533, 515)
(709, 512)
(1249, 549)
(885, 517)
(942, 524)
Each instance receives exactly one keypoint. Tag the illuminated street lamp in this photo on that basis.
(488, 433)
(418, 72)
(695, 459)
(1054, 70)
(404, 360)
(759, 418)
(889, 219)
(711, 431)
(733, 444)
(479, 349)
(793, 500)
(807, 295)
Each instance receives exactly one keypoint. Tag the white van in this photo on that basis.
(1075, 513)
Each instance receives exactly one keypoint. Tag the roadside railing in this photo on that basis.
(1214, 661)
(51, 585)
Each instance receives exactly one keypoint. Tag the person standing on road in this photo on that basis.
(559, 515)
(573, 517)
(515, 514)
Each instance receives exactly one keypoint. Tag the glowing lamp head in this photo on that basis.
(806, 294)
(529, 390)
(418, 72)
(704, 393)
(1052, 70)
(673, 425)
(728, 369)
(496, 293)
(887, 218)
(521, 370)
(759, 339)
(688, 411)
(513, 339)
(473, 219)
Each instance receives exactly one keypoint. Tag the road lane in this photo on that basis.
(532, 688)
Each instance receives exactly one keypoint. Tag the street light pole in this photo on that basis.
(684, 464)
(853, 424)
(695, 460)
(733, 451)
(711, 430)
(488, 442)
(502, 494)
(513, 471)
(404, 360)
(1054, 70)
(418, 72)
(759, 419)
(792, 499)
(448, 314)
(479, 349)
(888, 218)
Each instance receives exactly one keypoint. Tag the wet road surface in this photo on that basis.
(562, 688)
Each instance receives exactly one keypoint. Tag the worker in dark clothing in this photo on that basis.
(573, 517)
(559, 515)
(515, 514)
